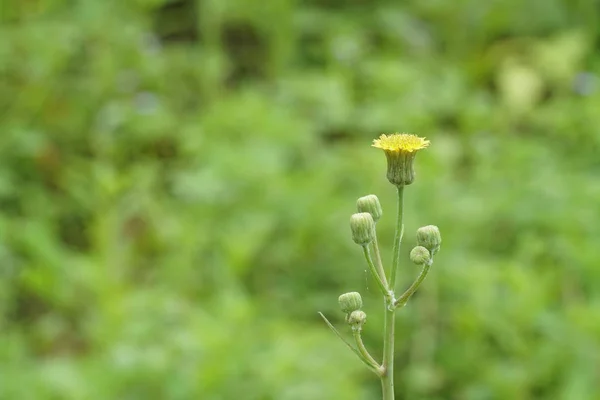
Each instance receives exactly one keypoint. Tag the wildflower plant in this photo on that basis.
(400, 150)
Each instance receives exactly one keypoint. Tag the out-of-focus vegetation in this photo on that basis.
(176, 179)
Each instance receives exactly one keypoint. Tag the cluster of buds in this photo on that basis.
(428, 243)
(351, 304)
(430, 238)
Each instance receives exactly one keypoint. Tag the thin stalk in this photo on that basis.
(402, 300)
(387, 380)
(379, 263)
(363, 350)
(373, 269)
(373, 367)
(397, 238)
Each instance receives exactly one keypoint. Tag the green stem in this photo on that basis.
(373, 367)
(387, 379)
(379, 263)
(363, 350)
(373, 269)
(397, 238)
(402, 300)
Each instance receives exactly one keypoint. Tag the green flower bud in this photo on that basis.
(363, 228)
(350, 302)
(420, 255)
(430, 238)
(370, 204)
(357, 319)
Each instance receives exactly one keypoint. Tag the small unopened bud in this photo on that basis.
(350, 302)
(420, 255)
(363, 228)
(430, 238)
(357, 319)
(370, 204)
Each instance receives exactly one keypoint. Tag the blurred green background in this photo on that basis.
(176, 179)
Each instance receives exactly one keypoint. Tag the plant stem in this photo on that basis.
(363, 350)
(379, 263)
(373, 269)
(370, 363)
(397, 238)
(387, 380)
(402, 300)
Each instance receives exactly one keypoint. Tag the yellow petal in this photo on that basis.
(400, 142)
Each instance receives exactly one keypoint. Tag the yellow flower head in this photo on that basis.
(400, 142)
(400, 150)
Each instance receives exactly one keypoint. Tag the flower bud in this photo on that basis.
(357, 319)
(350, 302)
(363, 228)
(430, 238)
(370, 204)
(420, 255)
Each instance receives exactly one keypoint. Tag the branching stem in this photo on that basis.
(365, 353)
(402, 300)
(372, 365)
(379, 263)
(373, 270)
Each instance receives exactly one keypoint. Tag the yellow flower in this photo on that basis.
(400, 150)
(400, 142)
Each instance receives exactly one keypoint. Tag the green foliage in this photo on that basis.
(176, 179)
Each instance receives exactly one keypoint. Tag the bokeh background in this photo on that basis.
(176, 179)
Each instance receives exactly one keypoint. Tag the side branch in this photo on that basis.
(402, 300)
(370, 363)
